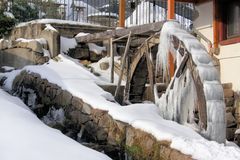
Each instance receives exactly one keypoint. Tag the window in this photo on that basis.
(230, 21)
(233, 20)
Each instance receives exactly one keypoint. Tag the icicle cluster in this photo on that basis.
(178, 103)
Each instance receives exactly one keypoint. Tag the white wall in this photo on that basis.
(229, 56)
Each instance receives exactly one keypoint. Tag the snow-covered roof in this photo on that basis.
(56, 21)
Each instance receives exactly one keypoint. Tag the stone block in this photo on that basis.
(104, 65)
(53, 39)
(86, 108)
(230, 133)
(230, 119)
(228, 93)
(64, 98)
(229, 101)
(77, 103)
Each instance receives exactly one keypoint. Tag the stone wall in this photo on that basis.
(98, 126)
(20, 57)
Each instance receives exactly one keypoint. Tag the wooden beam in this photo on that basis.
(136, 30)
(123, 64)
(112, 59)
(122, 7)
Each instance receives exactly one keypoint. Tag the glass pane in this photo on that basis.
(233, 21)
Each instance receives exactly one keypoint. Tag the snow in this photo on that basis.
(144, 14)
(100, 14)
(24, 137)
(81, 83)
(40, 40)
(7, 68)
(49, 27)
(95, 48)
(56, 21)
(105, 74)
(67, 43)
(81, 34)
(9, 14)
(54, 116)
(181, 99)
(237, 131)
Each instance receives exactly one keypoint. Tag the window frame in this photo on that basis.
(223, 38)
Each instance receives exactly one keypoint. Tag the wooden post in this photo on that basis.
(215, 24)
(122, 6)
(123, 64)
(171, 9)
(171, 15)
(112, 59)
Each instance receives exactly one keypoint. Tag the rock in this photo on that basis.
(229, 101)
(53, 39)
(86, 108)
(64, 98)
(227, 85)
(3, 44)
(35, 46)
(230, 133)
(95, 57)
(104, 65)
(101, 134)
(79, 53)
(230, 119)
(77, 117)
(228, 93)
(77, 103)
(85, 62)
(230, 109)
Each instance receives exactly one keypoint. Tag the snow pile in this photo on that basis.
(7, 68)
(178, 103)
(40, 40)
(105, 74)
(95, 48)
(8, 14)
(49, 27)
(81, 34)
(81, 83)
(67, 43)
(24, 137)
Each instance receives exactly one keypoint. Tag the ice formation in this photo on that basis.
(179, 102)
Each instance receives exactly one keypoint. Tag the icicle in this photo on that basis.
(178, 103)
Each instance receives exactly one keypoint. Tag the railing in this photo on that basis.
(104, 12)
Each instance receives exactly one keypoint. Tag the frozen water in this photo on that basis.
(179, 102)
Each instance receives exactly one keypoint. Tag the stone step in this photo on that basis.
(227, 85)
(228, 93)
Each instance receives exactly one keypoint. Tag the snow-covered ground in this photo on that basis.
(73, 77)
(24, 137)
